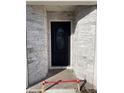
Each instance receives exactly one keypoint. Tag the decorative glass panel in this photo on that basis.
(60, 38)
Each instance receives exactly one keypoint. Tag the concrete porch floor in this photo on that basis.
(60, 74)
(55, 75)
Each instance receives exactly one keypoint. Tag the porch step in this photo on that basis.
(62, 91)
(55, 91)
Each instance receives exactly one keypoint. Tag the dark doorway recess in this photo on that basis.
(60, 40)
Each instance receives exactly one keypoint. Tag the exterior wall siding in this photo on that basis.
(37, 62)
(84, 44)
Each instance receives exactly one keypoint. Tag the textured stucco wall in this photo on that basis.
(84, 44)
(37, 62)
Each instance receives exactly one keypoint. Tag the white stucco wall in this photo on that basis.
(36, 43)
(84, 38)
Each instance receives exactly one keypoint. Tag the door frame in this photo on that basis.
(50, 44)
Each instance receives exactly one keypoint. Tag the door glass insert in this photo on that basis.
(60, 39)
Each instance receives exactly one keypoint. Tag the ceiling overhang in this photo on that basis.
(61, 2)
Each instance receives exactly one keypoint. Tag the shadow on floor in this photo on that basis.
(51, 72)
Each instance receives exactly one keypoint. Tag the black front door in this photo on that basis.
(60, 40)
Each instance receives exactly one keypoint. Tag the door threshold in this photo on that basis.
(67, 67)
